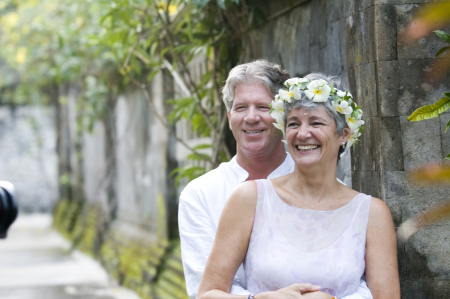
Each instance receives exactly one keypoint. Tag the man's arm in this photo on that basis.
(197, 235)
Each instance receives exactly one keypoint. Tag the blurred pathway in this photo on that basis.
(35, 263)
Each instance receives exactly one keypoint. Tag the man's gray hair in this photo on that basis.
(259, 71)
(307, 104)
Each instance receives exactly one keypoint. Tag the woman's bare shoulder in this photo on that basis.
(244, 195)
(379, 208)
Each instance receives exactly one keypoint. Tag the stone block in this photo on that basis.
(354, 7)
(407, 199)
(378, 2)
(366, 89)
(366, 154)
(424, 288)
(391, 151)
(401, 87)
(359, 37)
(367, 182)
(385, 32)
(421, 142)
(317, 26)
(316, 61)
(332, 57)
(423, 48)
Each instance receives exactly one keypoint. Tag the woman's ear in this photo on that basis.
(345, 135)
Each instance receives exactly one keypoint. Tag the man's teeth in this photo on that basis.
(307, 147)
(253, 131)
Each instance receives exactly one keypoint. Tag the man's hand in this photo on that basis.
(294, 291)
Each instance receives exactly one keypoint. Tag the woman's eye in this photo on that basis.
(292, 124)
(264, 108)
(317, 124)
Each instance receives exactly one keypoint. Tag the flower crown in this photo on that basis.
(319, 91)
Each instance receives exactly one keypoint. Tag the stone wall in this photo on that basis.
(304, 37)
(119, 204)
(387, 78)
(28, 155)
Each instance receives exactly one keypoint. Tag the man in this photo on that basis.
(248, 93)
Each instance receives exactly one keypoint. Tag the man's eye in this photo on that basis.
(264, 108)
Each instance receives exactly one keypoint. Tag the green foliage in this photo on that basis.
(105, 48)
(442, 52)
(443, 35)
(431, 111)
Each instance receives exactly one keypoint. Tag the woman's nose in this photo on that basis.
(303, 132)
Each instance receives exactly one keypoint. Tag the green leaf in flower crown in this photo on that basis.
(443, 35)
(447, 126)
(442, 52)
(448, 157)
(430, 111)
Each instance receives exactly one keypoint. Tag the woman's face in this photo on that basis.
(312, 138)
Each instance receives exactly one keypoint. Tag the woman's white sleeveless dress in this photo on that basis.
(294, 245)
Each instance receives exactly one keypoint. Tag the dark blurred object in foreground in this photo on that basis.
(8, 207)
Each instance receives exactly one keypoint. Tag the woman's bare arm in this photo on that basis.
(381, 253)
(230, 247)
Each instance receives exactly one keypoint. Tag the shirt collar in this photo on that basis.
(285, 168)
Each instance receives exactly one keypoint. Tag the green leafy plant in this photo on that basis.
(105, 48)
(443, 104)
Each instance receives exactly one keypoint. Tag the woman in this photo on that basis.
(306, 227)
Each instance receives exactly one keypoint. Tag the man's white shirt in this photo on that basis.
(200, 207)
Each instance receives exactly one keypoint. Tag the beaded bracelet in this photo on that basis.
(251, 296)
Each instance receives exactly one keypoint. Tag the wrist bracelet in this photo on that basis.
(251, 296)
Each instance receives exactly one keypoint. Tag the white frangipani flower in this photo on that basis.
(296, 92)
(342, 108)
(291, 81)
(353, 138)
(341, 93)
(353, 123)
(279, 126)
(318, 91)
(285, 95)
(278, 111)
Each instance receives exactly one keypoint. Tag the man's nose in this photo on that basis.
(252, 116)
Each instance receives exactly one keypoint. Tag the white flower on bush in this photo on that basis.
(318, 91)
(353, 122)
(342, 108)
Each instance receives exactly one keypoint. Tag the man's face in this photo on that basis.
(250, 121)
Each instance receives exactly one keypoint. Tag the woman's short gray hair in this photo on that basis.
(259, 71)
(306, 103)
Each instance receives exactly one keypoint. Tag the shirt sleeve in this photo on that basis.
(362, 292)
(197, 234)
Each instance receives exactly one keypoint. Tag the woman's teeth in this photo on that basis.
(304, 148)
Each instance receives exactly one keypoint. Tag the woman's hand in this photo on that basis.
(294, 291)
(317, 295)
